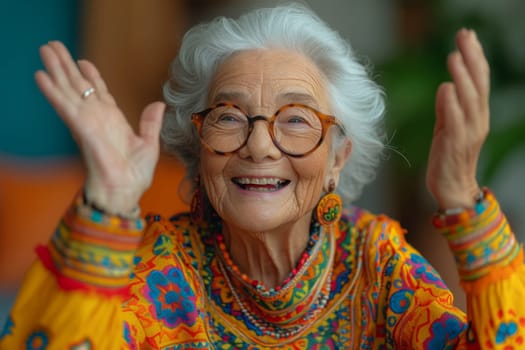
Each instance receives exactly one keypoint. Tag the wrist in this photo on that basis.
(473, 204)
(117, 206)
(463, 197)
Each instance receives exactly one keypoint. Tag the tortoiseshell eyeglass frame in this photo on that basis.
(326, 121)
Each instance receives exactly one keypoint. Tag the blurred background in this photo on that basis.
(405, 42)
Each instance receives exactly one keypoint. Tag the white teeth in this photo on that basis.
(261, 189)
(258, 180)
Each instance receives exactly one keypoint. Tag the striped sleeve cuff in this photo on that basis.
(92, 250)
(480, 238)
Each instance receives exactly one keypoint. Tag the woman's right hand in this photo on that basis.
(120, 163)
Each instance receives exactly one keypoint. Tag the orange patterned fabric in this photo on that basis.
(377, 291)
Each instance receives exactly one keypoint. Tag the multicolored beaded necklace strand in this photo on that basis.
(285, 323)
(312, 249)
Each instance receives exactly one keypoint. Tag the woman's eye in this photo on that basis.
(296, 120)
(228, 118)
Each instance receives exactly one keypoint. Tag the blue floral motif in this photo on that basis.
(421, 269)
(163, 245)
(505, 330)
(444, 331)
(37, 340)
(8, 327)
(172, 297)
(400, 300)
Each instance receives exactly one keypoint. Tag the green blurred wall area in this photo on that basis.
(29, 127)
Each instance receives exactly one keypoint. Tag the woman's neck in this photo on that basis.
(269, 256)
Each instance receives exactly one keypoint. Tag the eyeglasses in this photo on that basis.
(296, 130)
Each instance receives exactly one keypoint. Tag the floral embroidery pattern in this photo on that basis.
(505, 330)
(383, 295)
(37, 340)
(171, 297)
(444, 330)
(163, 245)
(421, 269)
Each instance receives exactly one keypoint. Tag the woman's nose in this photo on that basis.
(259, 145)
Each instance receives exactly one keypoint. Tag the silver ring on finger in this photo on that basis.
(88, 92)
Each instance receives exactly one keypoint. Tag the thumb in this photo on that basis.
(448, 110)
(151, 122)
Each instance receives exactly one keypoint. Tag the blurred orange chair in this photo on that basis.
(34, 196)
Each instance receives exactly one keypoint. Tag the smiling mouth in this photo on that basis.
(260, 184)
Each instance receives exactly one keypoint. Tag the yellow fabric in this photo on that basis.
(397, 301)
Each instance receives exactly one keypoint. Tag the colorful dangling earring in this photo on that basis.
(197, 201)
(330, 206)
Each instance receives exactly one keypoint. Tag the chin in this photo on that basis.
(259, 218)
(257, 222)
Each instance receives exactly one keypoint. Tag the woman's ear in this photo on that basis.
(340, 157)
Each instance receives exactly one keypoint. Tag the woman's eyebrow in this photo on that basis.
(237, 97)
(282, 98)
(298, 97)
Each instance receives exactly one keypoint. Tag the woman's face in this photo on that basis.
(259, 188)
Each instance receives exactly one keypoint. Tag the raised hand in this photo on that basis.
(120, 163)
(462, 125)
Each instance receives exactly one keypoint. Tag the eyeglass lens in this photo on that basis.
(295, 129)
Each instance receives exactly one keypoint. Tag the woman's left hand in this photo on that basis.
(462, 125)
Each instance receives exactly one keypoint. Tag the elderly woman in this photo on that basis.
(275, 121)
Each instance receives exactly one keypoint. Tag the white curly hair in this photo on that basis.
(356, 100)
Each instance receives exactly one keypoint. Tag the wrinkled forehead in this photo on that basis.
(269, 78)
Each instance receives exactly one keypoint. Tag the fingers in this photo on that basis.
(466, 91)
(69, 68)
(90, 72)
(63, 81)
(475, 60)
(68, 77)
(470, 72)
(448, 109)
(54, 95)
(461, 126)
(62, 70)
(151, 122)
(53, 66)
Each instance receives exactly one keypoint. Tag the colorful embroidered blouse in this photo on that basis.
(359, 286)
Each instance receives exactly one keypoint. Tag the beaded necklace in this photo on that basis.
(312, 249)
(287, 310)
